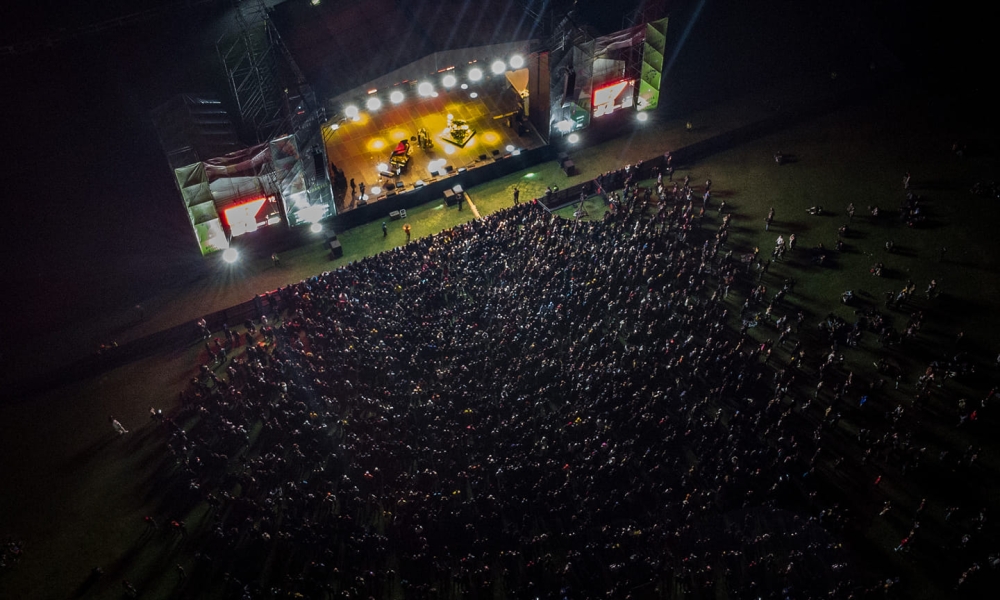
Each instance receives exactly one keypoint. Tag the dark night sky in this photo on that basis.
(91, 217)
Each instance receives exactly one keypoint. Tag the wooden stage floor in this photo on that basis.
(358, 147)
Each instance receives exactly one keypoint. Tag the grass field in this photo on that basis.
(77, 495)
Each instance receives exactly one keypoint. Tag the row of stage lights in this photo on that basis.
(426, 89)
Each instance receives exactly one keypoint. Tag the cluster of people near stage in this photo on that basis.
(547, 407)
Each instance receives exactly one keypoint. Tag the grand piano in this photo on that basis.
(400, 157)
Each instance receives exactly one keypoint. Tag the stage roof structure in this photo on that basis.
(341, 45)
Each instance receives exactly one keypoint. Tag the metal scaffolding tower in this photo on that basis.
(251, 62)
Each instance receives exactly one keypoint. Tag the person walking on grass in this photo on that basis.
(406, 230)
(117, 426)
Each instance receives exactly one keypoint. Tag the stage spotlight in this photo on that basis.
(351, 112)
(509, 148)
(642, 117)
(516, 61)
(475, 74)
(335, 127)
(382, 168)
(230, 255)
(396, 97)
(373, 103)
(564, 126)
(425, 89)
(316, 227)
(449, 149)
(376, 190)
(449, 80)
(464, 86)
(573, 138)
(498, 67)
(473, 95)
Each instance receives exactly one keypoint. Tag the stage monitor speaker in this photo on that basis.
(435, 173)
(336, 250)
(496, 153)
(482, 157)
(449, 169)
(418, 184)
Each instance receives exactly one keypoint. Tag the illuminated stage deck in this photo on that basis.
(358, 147)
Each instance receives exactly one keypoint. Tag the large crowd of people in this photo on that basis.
(531, 406)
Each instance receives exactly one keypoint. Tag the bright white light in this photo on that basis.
(564, 126)
(314, 2)
(382, 168)
(642, 117)
(475, 74)
(316, 227)
(436, 164)
(573, 138)
(449, 80)
(516, 61)
(374, 103)
(396, 97)
(351, 112)
(464, 86)
(509, 148)
(311, 214)
(449, 149)
(473, 95)
(230, 255)
(425, 88)
(356, 117)
(498, 67)
(376, 190)
(335, 126)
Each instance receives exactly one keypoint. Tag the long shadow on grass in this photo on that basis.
(82, 458)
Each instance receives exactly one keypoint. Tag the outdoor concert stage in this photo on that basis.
(361, 148)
